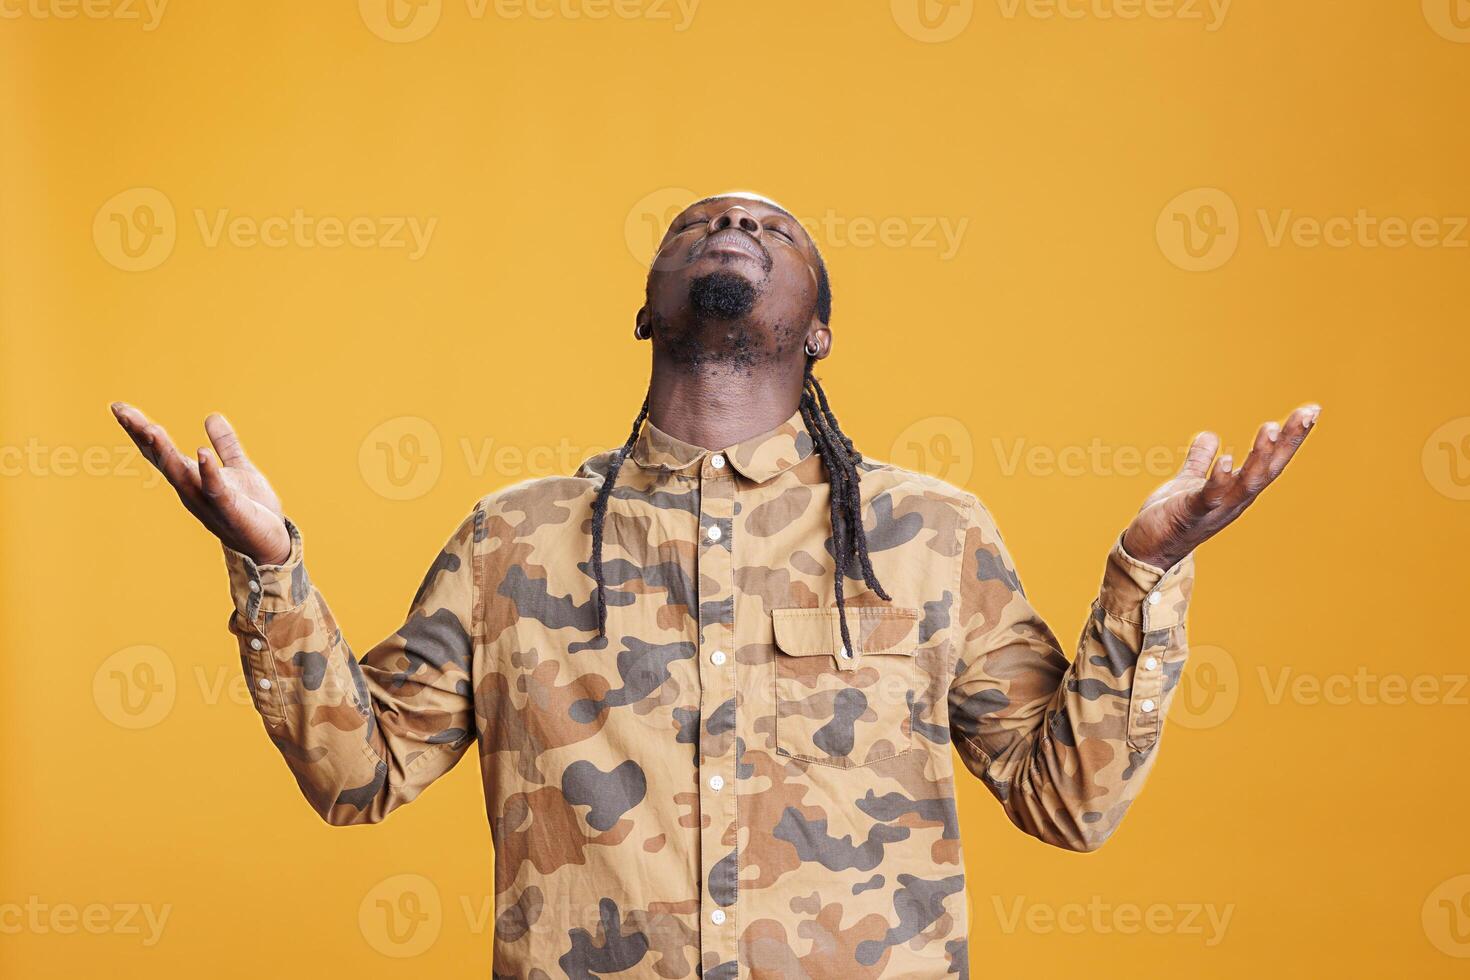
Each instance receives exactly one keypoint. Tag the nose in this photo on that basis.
(735, 217)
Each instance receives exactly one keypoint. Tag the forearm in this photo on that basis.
(360, 738)
(1067, 747)
(306, 685)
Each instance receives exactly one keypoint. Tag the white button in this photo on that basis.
(1153, 598)
(254, 586)
(717, 917)
(714, 532)
(264, 683)
(717, 658)
(717, 783)
(717, 461)
(1150, 663)
(844, 654)
(255, 643)
(1147, 706)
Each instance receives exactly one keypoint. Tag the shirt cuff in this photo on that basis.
(276, 588)
(1145, 595)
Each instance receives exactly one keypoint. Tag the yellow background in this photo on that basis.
(1329, 828)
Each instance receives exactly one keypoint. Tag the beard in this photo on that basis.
(722, 296)
(718, 330)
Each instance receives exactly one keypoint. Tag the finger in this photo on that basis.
(1298, 426)
(1201, 452)
(146, 436)
(212, 478)
(222, 437)
(1212, 494)
(180, 472)
(127, 416)
(1254, 473)
(133, 423)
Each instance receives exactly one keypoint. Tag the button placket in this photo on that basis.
(719, 872)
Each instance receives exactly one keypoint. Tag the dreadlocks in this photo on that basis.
(849, 538)
(599, 516)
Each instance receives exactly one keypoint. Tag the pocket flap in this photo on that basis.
(874, 629)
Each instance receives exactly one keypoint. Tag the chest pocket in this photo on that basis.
(839, 707)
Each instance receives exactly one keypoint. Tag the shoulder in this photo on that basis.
(903, 490)
(881, 477)
(541, 502)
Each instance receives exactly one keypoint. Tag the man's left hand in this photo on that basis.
(1199, 501)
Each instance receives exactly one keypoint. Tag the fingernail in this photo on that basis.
(1311, 416)
(1272, 431)
(1225, 462)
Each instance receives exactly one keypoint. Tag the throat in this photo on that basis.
(717, 405)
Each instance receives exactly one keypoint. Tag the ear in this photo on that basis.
(643, 324)
(818, 334)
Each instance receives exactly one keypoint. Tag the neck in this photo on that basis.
(715, 406)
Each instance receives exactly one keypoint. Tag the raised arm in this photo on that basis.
(361, 737)
(1064, 746)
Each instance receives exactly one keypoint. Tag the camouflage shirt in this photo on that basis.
(719, 788)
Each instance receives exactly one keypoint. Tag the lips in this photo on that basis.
(732, 241)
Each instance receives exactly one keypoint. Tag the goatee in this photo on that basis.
(722, 296)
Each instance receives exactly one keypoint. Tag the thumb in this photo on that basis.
(226, 443)
(1201, 454)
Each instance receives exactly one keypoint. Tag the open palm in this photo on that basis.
(221, 488)
(1199, 501)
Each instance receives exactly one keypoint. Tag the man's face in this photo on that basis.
(734, 281)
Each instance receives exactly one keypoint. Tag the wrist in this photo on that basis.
(277, 551)
(1149, 555)
(277, 559)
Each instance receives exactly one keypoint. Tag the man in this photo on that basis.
(714, 677)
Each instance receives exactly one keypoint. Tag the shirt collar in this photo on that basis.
(758, 458)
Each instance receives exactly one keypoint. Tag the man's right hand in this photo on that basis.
(223, 489)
